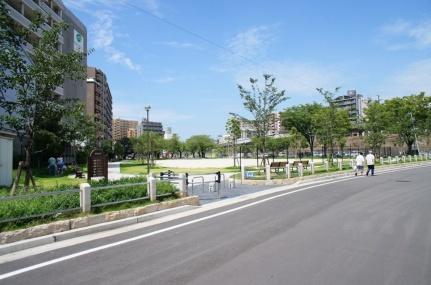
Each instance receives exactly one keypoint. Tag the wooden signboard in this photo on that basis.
(97, 164)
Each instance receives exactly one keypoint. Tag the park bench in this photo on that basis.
(296, 162)
(277, 166)
(79, 173)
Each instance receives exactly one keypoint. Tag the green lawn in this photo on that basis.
(135, 167)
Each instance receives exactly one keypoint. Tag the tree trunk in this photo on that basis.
(234, 154)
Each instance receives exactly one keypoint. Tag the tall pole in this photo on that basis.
(147, 108)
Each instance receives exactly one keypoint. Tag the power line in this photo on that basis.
(190, 32)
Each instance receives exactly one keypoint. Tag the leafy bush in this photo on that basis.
(22, 208)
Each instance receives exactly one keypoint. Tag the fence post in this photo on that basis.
(404, 159)
(410, 158)
(340, 164)
(390, 160)
(268, 172)
(85, 197)
(416, 158)
(326, 165)
(152, 188)
(300, 169)
(397, 159)
(382, 161)
(312, 167)
(182, 184)
(242, 172)
(287, 170)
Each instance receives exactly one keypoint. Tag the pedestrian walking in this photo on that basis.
(370, 158)
(359, 164)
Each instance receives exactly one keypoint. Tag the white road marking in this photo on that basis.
(100, 248)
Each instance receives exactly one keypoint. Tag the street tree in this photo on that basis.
(261, 104)
(233, 129)
(376, 125)
(200, 144)
(173, 145)
(302, 119)
(408, 117)
(33, 79)
(332, 123)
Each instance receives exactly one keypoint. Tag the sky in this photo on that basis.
(185, 58)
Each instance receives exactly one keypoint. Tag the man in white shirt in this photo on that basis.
(370, 162)
(359, 164)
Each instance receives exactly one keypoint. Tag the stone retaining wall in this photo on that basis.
(66, 225)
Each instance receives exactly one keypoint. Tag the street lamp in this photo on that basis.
(147, 108)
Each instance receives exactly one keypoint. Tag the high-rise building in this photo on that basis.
(99, 102)
(148, 126)
(74, 38)
(123, 129)
(354, 104)
(168, 133)
(275, 128)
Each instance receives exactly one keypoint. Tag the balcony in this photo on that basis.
(59, 90)
(34, 6)
(50, 12)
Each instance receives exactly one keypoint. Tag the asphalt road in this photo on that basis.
(366, 230)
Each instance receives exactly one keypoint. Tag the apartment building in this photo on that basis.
(99, 102)
(74, 38)
(149, 126)
(354, 104)
(124, 129)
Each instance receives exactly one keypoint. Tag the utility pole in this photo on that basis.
(147, 108)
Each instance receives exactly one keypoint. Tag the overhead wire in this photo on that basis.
(190, 32)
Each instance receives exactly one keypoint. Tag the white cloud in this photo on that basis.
(182, 45)
(103, 36)
(297, 78)
(153, 7)
(294, 77)
(414, 79)
(401, 35)
(252, 42)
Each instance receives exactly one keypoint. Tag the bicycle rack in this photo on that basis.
(203, 182)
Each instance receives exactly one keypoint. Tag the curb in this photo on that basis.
(52, 238)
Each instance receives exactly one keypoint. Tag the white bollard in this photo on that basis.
(300, 169)
(410, 158)
(426, 156)
(287, 170)
(382, 161)
(389, 160)
(326, 165)
(404, 159)
(340, 164)
(397, 159)
(151, 187)
(85, 197)
(231, 183)
(268, 172)
(242, 173)
(182, 184)
(312, 167)
(416, 158)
